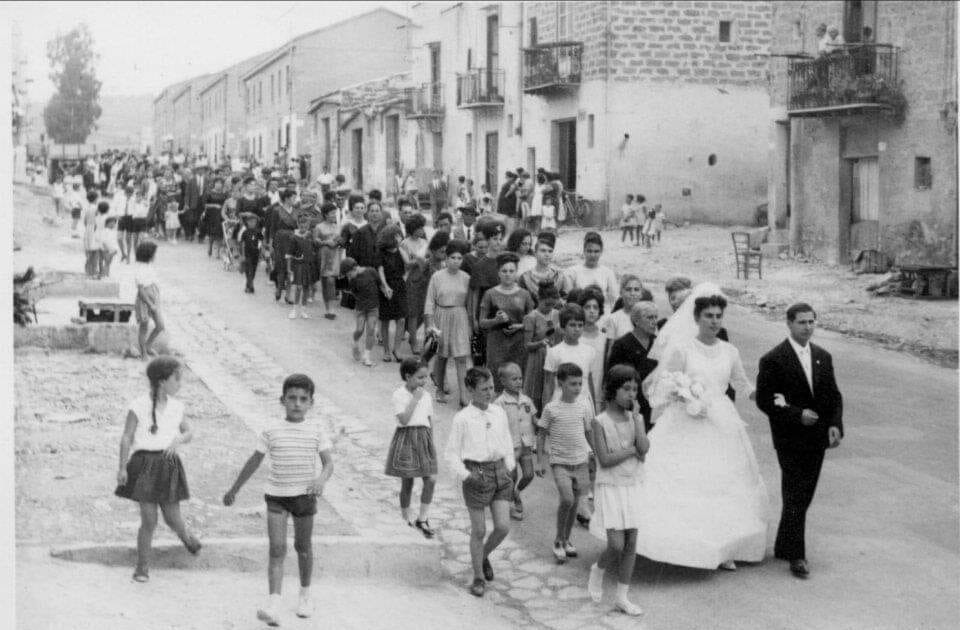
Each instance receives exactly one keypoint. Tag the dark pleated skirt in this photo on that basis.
(154, 478)
(412, 453)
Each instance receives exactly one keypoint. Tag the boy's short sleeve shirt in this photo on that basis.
(519, 410)
(582, 355)
(566, 425)
(293, 449)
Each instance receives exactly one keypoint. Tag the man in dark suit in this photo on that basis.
(632, 349)
(190, 203)
(797, 390)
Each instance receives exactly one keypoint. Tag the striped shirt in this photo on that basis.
(293, 448)
(566, 425)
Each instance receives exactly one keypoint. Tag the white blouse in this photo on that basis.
(169, 418)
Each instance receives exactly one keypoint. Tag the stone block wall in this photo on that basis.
(665, 42)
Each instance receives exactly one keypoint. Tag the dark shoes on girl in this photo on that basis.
(487, 570)
(193, 545)
(425, 529)
(478, 587)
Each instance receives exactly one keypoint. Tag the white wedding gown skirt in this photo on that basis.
(703, 501)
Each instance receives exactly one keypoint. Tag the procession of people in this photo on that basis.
(567, 370)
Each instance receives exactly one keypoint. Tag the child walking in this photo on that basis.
(520, 410)
(566, 422)
(412, 453)
(250, 244)
(364, 286)
(153, 475)
(539, 329)
(293, 485)
(480, 452)
(620, 443)
(628, 220)
(147, 305)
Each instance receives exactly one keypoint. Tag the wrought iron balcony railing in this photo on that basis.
(480, 87)
(425, 101)
(854, 79)
(552, 66)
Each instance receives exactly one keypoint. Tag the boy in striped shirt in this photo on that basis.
(567, 423)
(293, 485)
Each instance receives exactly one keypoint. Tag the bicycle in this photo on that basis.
(577, 208)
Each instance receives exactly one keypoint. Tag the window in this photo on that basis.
(725, 27)
(271, 88)
(590, 131)
(289, 82)
(922, 174)
(533, 32)
(563, 20)
(712, 159)
(326, 141)
(509, 125)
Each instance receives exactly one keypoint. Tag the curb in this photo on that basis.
(362, 557)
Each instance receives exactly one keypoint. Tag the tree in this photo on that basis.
(72, 112)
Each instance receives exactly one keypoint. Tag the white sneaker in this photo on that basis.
(627, 607)
(304, 607)
(269, 615)
(559, 553)
(293, 314)
(304, 315)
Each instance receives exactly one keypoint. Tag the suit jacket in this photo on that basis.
(628, 351)
(781, 373)
(191, 194)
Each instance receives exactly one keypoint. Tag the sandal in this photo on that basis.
(395, 357)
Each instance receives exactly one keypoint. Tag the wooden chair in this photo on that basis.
(746, 257)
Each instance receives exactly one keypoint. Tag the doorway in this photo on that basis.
(565, 151)
(493, 146)
(357, 154)
(393, 146)
(864, 196)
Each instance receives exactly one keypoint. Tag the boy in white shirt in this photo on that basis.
(480, 452)
(292, 488)
(570, 350)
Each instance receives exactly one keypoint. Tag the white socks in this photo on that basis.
(405, 512)
(304, 592)
(424, 511)
(595, 583)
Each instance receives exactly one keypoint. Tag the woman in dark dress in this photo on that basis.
(212, 219)
(393, 290)
(352, 223)
(278, 235)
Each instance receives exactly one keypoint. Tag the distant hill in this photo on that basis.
(119, 126)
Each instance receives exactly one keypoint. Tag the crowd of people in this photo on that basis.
(566, 369)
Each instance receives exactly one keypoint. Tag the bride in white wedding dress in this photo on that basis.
(703, 501)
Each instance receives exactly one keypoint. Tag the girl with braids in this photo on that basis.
(154, 474)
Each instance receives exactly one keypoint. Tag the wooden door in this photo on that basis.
(493, 146)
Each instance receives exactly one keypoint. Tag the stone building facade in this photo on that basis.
(864, 142)
(667, 99)
(221, 110)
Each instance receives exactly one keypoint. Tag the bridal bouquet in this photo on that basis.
(683, 390)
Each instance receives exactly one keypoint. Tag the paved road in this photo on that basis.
(883, 534)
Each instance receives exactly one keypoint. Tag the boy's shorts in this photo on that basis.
(298, 506)
(488, 482)
(578, 476)
(75, 213)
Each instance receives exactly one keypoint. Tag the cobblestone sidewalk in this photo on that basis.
(531, 589)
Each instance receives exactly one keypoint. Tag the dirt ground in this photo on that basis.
(70, 415)
(927, 328)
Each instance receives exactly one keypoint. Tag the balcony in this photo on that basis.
(480, 88)
(553, 67)
(858, 79)
(425, 101)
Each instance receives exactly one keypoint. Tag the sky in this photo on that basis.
(145, 46)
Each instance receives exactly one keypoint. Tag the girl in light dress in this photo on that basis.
(548, 221)
(445, 313)
(326, 233)
(619, 444)
(154, 475)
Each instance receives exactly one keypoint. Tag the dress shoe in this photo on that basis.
(799, 568)
(478, 587)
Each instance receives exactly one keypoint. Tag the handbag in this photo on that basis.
(478, 348)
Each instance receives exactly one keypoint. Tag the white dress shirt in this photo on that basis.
(806, 362)
(480, 435)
